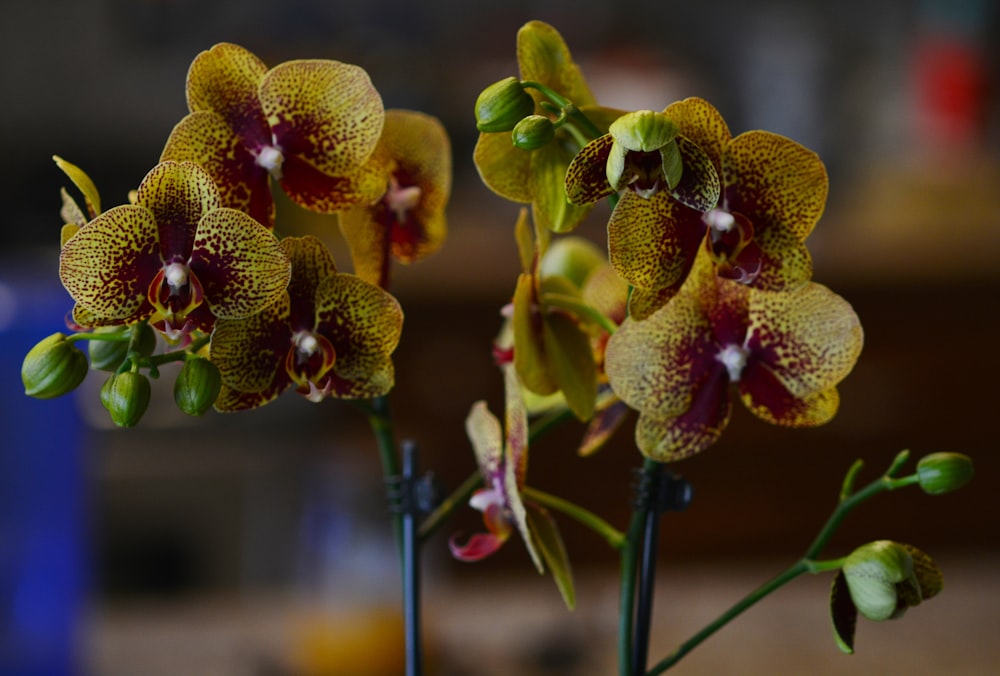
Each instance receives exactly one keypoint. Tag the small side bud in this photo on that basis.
(197, 386)
(574, 258)
(126, 397)
(502, 105)
(53, 367)
(939, 473)
(533, 132)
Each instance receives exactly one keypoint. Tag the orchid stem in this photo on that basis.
(611, 535)
(808, 563)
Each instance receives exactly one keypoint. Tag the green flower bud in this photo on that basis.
(126, 397)
(573, 258)
(533, 132)
(502, 105)
(881, 579)
(939, 473)
(197, 386)
(53, 367)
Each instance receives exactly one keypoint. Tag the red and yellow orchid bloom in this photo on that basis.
(502, 456)
(330, 334)
(408, 222)
(784, 352)
(536, 177)
(175, 257)
(310, 125)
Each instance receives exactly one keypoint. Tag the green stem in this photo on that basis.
(629, 571)
(611, 535)
(568, 108)
(750, 599)
(580, 309)
(458, 497)
(380, 421)
(808, 563)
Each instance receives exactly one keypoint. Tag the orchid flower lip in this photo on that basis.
(271, 158)
(719, 220)
(176, 275)
(401, 200)
(734, 358)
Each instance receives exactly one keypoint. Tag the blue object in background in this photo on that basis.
(43, 561)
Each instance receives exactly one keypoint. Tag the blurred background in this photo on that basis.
(260, 543)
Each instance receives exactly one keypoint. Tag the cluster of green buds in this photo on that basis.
(506, 106)
(56, 366)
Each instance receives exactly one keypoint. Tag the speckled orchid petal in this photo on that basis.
(775, 182)
(678, 437)
(249, 353)
(325, 118)
(654, 365)
(108, 264)
(312, 262)
(178, 194)
(206, 139)
(363, 323)
(486, 435)
(587, 176)
(809, 337)
(785, 261)
(224, 80)
(652, 242)
(408, 222)
(516, 425)
(699, 186)
(543, 57)
(239, 263)
(699, 122)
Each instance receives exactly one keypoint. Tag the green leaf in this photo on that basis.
(546, 535)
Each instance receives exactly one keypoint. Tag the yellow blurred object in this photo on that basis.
(363, 643)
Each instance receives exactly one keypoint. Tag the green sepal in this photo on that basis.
(549, 543)
(572, 362)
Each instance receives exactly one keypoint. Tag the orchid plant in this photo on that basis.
(704, 293)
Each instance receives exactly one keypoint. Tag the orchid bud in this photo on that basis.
(878, 574)
(126, 397)
(502, 105)
(53, 367)
(197, 386)
(939, 473)
(533, 132)
(108, 355)
(573, 258)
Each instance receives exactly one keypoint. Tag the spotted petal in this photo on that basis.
(504, 169)
(699, 121)
(654, 365)
(326, 117)
(775, 182)
(809, 340)
(652, 242)
(108, 264)
(678, 437)
(250, 354)
(206, 139)
(224, 80)
(417, 155)
(586, 176)
(240, 264)
(363, 323)
(178, 194)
